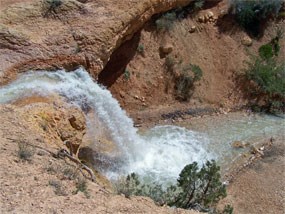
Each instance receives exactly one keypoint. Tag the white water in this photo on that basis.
(159, 155)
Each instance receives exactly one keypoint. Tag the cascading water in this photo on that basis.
(159, 155)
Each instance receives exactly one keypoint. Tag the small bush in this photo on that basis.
(228, 209)
(268, 75)
(201, 187)
(166, 22)
(195, 189)
(69, 173)
(185, 81)
(51, 6)
(169, 63)
(140, 48)
(266, 51)
(25, 152)
(127, 74)
(128, 186)
(54, 3)
(184, 84)
(250, 14)
(81, 186)
(269, 79)
(198, 4)
(58, 188)
(197, 72)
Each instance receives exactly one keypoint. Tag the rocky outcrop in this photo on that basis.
(35, 35)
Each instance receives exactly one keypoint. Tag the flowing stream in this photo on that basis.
(160, 153)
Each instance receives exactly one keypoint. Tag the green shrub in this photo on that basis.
(268, 75)
(228, 209)
(50, 7)
(197, 72)
(25, 152)
(128, 186)
(198, 4)
(140, 48)
(166, 22)
(266, 51)
(69, 173)
(54, 3)
(269, 78)
(201, 187)
(184, 84)
(58, 188)
(81, 186)
(195, 189)
(250, 14)
(185, 81)
(127, 74)
(169, 63)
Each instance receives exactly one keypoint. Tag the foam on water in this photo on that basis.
(160, 154)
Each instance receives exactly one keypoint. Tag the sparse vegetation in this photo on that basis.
(166, 22)
(25, 152)
(127, 74)
(184, 76)
(140, 49)
(268, 75)
(127, 186)
(81, 186)
(69, 173)
(196, 188)
(228, 209)
(250, 14)
(52, 6)
(184, 83)
(58, 187)
(169, 63)
(198, 4)
(54, 3)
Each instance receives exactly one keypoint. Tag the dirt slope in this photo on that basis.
(45, 184)
(260, 188)
(215, 46)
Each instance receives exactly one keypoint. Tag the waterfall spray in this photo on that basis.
(160, 154)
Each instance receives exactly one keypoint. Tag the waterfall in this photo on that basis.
(160, 154)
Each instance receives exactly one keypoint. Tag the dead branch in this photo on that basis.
(63, 153)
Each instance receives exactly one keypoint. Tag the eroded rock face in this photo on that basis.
(36, 36)
(61, 125)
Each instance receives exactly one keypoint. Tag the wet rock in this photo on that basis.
(99, 160)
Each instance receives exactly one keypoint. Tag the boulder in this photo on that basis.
(246, 40)
(192, 29)
(164, 50)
